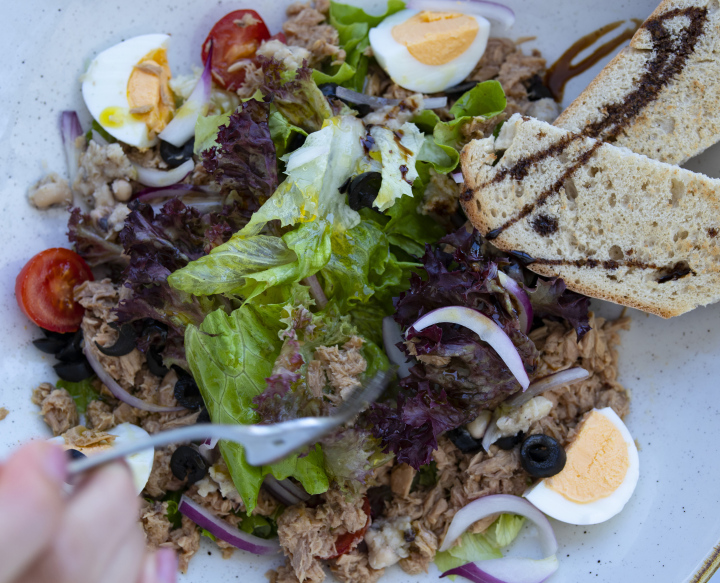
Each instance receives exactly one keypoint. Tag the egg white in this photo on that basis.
(140, 463)
(557, 506)
(408, 72)
(105, 86)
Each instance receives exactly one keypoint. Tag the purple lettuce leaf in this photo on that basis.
(245, 159)
(551, 299)
(159, 243)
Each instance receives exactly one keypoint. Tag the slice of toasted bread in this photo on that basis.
(661, 95)
(613, 224)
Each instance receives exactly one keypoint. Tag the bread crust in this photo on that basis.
(684, 120)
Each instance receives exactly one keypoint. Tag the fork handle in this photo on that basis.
(264, 444)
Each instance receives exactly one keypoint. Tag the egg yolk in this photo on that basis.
(148, 91)
(436, 38)
(597, 462)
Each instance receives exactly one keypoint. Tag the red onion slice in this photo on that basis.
(174, 191)
(207, 449)
(391, 336)
(522, 301)
(507, 570)
(551, 381)
(502, 17)
(377, 102)
(500, 504)
(484, 327)
(70, 130)
(120, 393)
(226, 532)
(457, 177)
(182, 126)
(285, 491)
(155, 177)
(316, 291)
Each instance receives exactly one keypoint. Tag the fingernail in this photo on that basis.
(166, 566)
(56, 464)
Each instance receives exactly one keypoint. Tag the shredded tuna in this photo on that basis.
(161, 478)
(353, 567)
(57, 408)
(306, 27)
(80, 436)
(99, 167)
(341, 366)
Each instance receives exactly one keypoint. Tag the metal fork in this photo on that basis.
(264, 444)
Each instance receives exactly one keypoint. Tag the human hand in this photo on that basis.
(92, 536)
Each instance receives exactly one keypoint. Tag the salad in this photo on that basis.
(254, 240)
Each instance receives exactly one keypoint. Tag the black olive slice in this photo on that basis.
(363, 190)
(460, 88)
(536, 89)
(72, 352)
(153, 333)
(509, 441)
(50, 345)
(187, 462)
(155, 362)
(329, 89)
(465, 442)
(541, 456)
(124, 344)
(174, 156)
(187, 393)
(204, 417)
(74, 372)
(74, 454)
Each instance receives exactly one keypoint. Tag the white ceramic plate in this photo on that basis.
(672, 522)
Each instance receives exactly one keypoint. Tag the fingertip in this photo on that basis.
(160, 567)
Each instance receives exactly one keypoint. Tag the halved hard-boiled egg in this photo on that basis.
(599, 477)
(140, 463)
(428, 51)
(127, 92)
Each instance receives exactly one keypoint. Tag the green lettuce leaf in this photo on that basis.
(486, 100)
(230, 356)
(206, 129)
(248, 267)
(482, 546)
(353, 25)
(315, 173)
(398, 156)
(282, 131)
(82, 392)
(362, 267)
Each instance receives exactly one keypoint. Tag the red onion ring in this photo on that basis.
(226, 532)
(501, 16)
(120, 393)
(285, 491)
(551, 381)
(377, 102)
(70, 130)
(457, 177)
(522, 301)
(155, 177)
(182, 126)
(484, 327)
(391, 336)
(507, 570)
(173, 191)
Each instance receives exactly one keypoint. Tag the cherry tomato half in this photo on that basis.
(44, 289)
(346, 542)
(234, 38)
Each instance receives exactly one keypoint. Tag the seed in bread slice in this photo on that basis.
(613, 224)
(661, 95)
